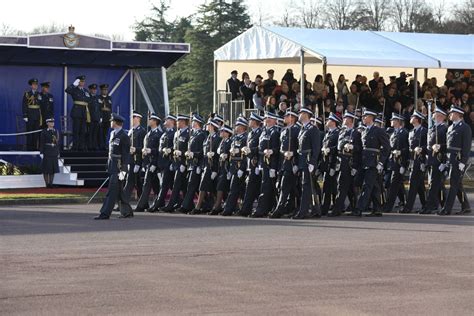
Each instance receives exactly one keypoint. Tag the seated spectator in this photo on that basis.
(282, 107)
(271, 105)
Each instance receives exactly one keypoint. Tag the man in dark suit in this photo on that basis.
(233, 85)
(32, 114)
(80, 112)
(46, 101)
(94, 110)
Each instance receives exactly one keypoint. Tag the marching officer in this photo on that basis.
(117, 167)
(375, 151)
(105, 101)
(165, 162)
(398, 161)
(329, 162)
(210, 165)
(269, 153)
(288, 166)
(237, 166)
(46, 101)
(49, 149)
(95, 114)
(194, 160)
(180, 146)
(309, 148)
(80, 112)
(436, 160)
(223, 176)
(137, 135)
(417, 139)
(458, 141)
(349, 148)
(32, 114)
(150, 154)
(254, 177)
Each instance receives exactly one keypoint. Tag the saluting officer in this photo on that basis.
(349, 148)
(223, 177)
(32, 114)
(329, 162)
(237, 167)
(417, 139)
(436, 160)
(105, 101)
(94, 110)
(458, 141)
(46, 101)
(254, 177)
(194, 159)
(288, 166)
(269, 153)
(165, 163)
(180, 146)
(117, 167)
(150, 154)
(309, 148)
(49, 149)
(137, 135)
(80, 112)
(398, 162)
(375, 150)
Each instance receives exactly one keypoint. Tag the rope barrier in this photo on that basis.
(23, 133)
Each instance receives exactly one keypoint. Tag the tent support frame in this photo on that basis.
(302, 84)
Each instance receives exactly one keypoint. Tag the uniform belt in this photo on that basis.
(375, 150)
(83, 103)
(454, 148)
(284, 151)
(115, 155)
(50, 144)
(105, 110)
(304, 151)
(33, 106)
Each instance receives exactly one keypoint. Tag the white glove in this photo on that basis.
(210, 154)
(189, 154)
(288, 155)
(326, 150)
(132, 150)
(332, 172)
(380, 167)
(246, 150)
(422, 167)
(295, 169)
(353, 172)
(76, 82)
(171, 167)
(268, 152)
(25, 119)
(229, 175)
(348, 147)
(436, 147)
(310, 168)
(182, 168)
(418, 150)
(461, 166)
(198, 170)
(213, 175)
(223, 156)
(167, 151)
(236, 151)
(257, 171)
(402, 170)
(152, 168)
(122, 175)
(240, 173)
(442, 167)
(146, 151)
(177, 153)
(136, 169)
(272, 173)
(100, 121)
(396, 153)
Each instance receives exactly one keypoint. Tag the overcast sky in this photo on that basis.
(106, 17)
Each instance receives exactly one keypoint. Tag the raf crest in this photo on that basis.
(71, 39)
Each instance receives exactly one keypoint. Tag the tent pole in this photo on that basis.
(131, 99)
(302, 87)
(214, 106)
(165, 91)
(65, 107)
(415, 87)
(325, 69)
(426, 74)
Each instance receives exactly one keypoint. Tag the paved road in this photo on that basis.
(55, 260)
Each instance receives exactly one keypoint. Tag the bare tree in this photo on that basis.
(310, 13)
(6, 29)
(340, 13)
(413, 16)
(373, 14)
(464, 13)
(49, 28)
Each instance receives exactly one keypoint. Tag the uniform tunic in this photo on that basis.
(50, 150)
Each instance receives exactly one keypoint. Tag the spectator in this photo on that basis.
(247, 91)
(330, 86)
(357, 82)
(233, 85)
(353, 96)
(288, 77)
(257, 82)
(259, 98)
(449, 79)
(373, 84)
(402, 80)
(282, 107)
(342, 89)
(318, 85)
(307, 86)
(271, 105)
(270, 83)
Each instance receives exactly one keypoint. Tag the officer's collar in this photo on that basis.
(104, 95)
(33, 91)
(154, 129)
(456, 123)
(117, 129)
(183, 129)
(416, 128)
(50, 129)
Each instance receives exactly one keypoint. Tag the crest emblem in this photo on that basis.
(71, 39)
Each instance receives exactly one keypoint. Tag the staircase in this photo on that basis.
(90, 166)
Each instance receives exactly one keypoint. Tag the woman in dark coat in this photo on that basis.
(49, 149)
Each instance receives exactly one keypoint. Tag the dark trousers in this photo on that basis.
(179, 185)
(114, 194)
(286, 199)
(237, 187)
(371, 190)
(104, 129)
(267, 197)
(78, 133)
(166, 185)
(192, 189)
(151, 181)
(309, 203)
(417, 186)
(134, 181)
(436, 188)
(32, 140)
(345, 188)
(329, 191)
(251, 192)
(396, 184)
(94, 128)
(456, 189)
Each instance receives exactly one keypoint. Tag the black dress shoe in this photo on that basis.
(139, 210)
(443, 213)
(99, 217)
(334, 214)
(116, 209)
(374, 214)
(463, 212)
(196, 212)
(215, 211)
(355, 213)
(275, 215)
(129, 215)
(257, 215)
(182, 210)
(299, 216)
(315, 215)
(243, 213)
(152, 210)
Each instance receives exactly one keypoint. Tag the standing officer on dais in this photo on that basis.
(80, 112)
(46, 101)
(32, 114)
(50, 150)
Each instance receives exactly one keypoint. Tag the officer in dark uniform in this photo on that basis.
(375, 150)
(398, 161)
(105, 101)
(458, 142)
(254, 177)
(180, 146)
(117, 167)
(233, 85)
(95, 114)
(210, 166)
(417, 139)
(329, 162)
(46, 101)
(165, 162)
(223, 174)
(309, 148)
(137, 135)
(194, 161)
(436, 159)
(288, 166)
(237, 166)
(349, 148)
(80, 112)
(150, 154)
(50, 150)
(269, 84)
(32, 114)
(269, 153)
